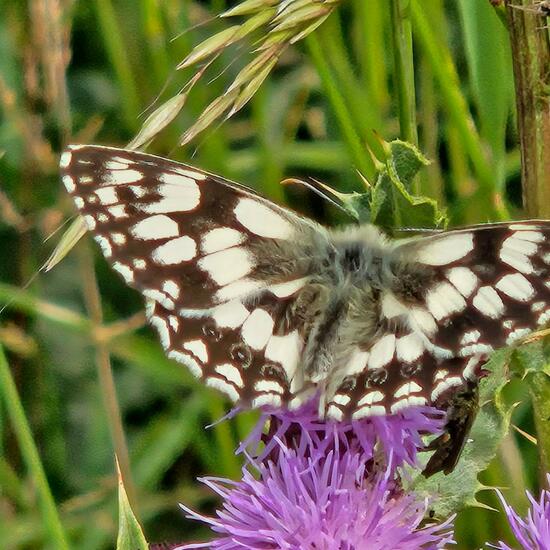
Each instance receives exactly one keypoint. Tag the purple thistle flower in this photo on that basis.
(397, 437)
(533, 531)
(328, 486)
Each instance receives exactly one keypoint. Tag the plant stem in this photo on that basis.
(105, 374)
(539, 388)
(531, 60)
(404, 69)
(453, 101)
(29, 452)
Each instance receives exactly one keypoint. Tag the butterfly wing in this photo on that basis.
(219, 265)
(456, 297)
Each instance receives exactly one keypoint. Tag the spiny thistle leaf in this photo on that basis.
(451, 493)
(393, 202)
(390, 202)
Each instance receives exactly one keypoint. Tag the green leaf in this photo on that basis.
(130, 535)
(533, 364)
(393, 202)
(451, 493)
(530, 359)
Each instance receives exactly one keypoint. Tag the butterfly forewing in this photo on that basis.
(474, 290)
(210, 257)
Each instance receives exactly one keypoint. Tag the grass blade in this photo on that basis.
(30, 455)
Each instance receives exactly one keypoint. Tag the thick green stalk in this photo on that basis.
(29, 452)
(404, 69)
(531, 59)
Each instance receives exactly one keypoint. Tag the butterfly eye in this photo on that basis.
(211, 331)
(241, 354)
(377, 377)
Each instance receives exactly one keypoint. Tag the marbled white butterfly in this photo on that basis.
(270, 307)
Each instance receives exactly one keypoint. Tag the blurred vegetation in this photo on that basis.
(89, 376)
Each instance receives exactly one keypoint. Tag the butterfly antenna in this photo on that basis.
(417, 230)
(231, 414)
(321, 190)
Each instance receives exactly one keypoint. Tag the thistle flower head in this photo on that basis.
(533, 531)
(328, 486)
(394, 439)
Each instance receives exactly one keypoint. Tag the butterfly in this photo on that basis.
(272, 308)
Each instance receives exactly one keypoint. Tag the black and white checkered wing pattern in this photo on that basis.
(491, 285)
(206, 253)
(461, 295)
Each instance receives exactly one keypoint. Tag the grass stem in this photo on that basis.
(105, 374)
(29, 452)
(404, 69)
(356, 148)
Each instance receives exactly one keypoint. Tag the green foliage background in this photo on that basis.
(68, 330)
